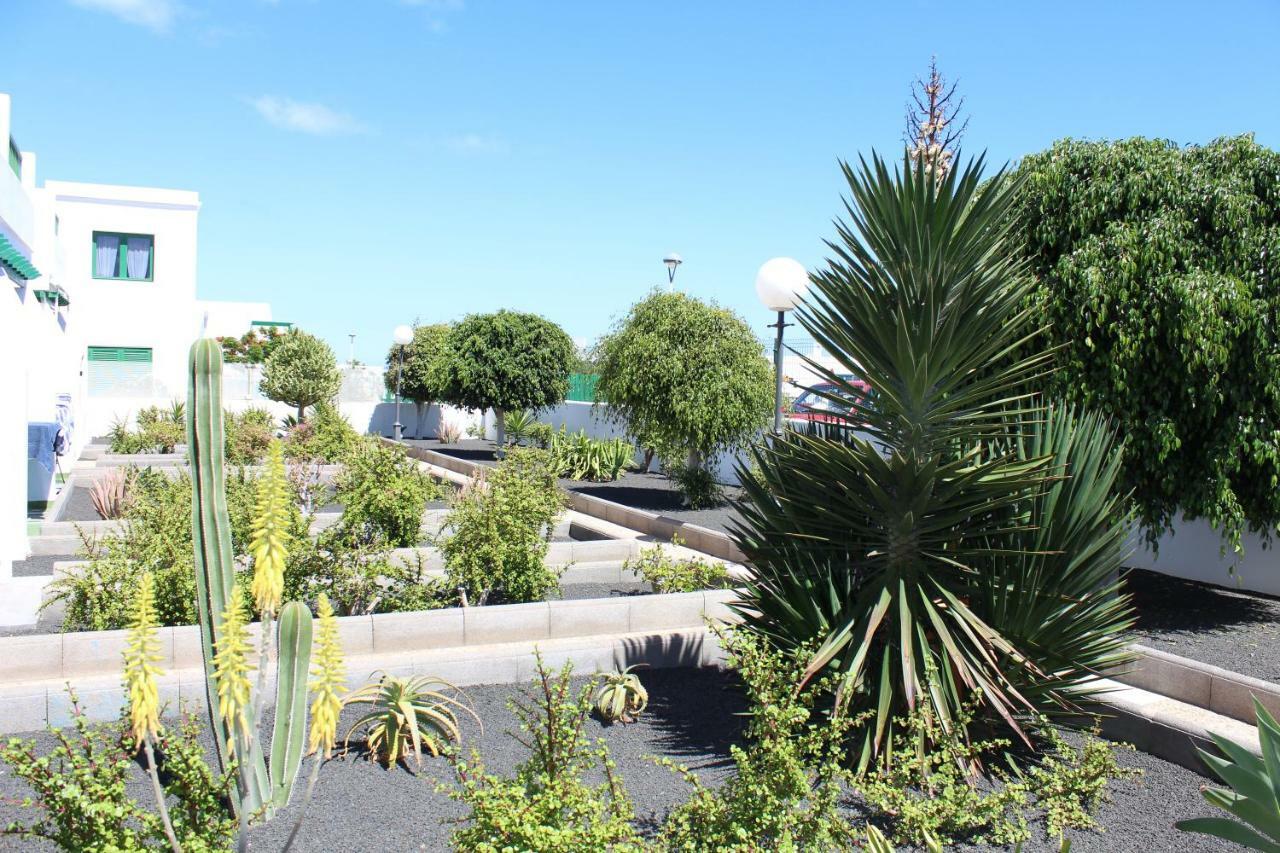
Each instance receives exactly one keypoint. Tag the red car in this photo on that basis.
(812, 406)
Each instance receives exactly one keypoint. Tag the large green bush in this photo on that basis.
(420, 376)
(936, 553)
(685, 377)
(505, 361)
(1158, 272)
(301, 371)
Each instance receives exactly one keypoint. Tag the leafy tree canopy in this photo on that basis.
(1158, 272)
(301, 371)
(421, 381)
(505, 361)
(253, 347)
(685, 375)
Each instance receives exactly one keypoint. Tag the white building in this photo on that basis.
(99, 304)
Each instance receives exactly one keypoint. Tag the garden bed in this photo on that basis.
(644, 491)
(693, 718)
(1238, 631)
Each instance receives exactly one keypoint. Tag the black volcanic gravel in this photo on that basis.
(649, 492)
(693, 717)
(1235, 630)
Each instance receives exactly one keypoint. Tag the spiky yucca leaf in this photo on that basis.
(887, 539)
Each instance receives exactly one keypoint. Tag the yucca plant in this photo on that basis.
(1254, 798)
(408, 715)
(620, 697)
(518, 425)
(961, 541)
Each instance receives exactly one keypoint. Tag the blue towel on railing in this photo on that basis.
(41, 437)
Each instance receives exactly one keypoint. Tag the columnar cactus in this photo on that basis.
(260, 790)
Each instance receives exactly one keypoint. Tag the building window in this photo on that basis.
(15, 158)
(120, 372)
(123, 256)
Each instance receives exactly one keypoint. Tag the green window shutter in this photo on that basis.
(120, 372)
(582, 387)
(15, 158)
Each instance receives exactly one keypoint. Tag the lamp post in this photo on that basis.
(672, 260)
(781, 283)
(403, 336)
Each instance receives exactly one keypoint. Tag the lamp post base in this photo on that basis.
(397, 431)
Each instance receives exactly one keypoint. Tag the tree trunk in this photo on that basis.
(694, 460)
(648, 459)
(418, 407)
(500, 421)
(302, 413)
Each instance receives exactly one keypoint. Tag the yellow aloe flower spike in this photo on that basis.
(269, 542)
(330, 674)
(231, 667)
(140, 670)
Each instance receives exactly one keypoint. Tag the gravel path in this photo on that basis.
(1235, 630)
(650, 492)
(693, 717)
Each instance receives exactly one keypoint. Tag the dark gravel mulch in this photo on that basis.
(693, 717)
(646, 491)
(1235, 630)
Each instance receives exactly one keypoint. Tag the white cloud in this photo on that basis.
(478, 143)
(316, 119)
(155, 15)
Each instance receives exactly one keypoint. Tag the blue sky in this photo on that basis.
(362, 164)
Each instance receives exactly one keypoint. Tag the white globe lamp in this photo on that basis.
(781, 284)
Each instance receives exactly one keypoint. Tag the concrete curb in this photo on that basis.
(473, 645)
(660, 527)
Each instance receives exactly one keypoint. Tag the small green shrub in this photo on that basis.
(668, 574)
(539, 435)
(360, 578)
(698, 486)
(384, 494)
(326, 436)
(163, 436)
(788, 779)
(546, 805)
(248, 435)
(79, 789)
(500, 529)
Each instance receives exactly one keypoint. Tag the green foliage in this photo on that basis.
(698, 486)
(789, 778)
(360, 578)
(929, 796)
(937, 554)
(669, 574)
(384, 494)
(423, 361)
(506, 361)
(683, 375)
(540, 435)
(155, 538)
(326, 436)
(546, 805)
(620, 697)
(407, 715)
(1156, 271)
(248, 435)
(580, 457)
(1254, 797)
(253, 347)
(519, 423)
(80, 790)
(500, 528)
(301, 371)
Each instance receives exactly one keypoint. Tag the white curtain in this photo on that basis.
(138, 261)
(106, 262)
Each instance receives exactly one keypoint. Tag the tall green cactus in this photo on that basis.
(259, 791)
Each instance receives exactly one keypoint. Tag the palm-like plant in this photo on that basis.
(408, 715)
(963, 540)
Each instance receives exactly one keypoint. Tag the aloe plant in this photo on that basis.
(621, 697)
(261, 788)
(1254, 798)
